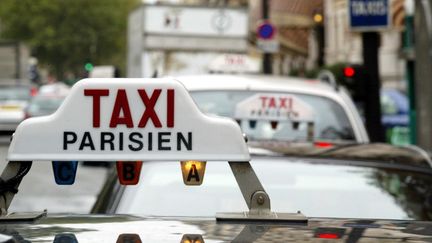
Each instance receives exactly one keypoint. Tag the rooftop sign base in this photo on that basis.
(273, 217)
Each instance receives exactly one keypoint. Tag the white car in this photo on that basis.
(13, 100)
(264, 105)
(47, 101)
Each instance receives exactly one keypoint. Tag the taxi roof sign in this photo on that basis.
(275, 107)
(128, 120)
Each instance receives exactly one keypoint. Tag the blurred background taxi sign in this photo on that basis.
(234, 63)
(274, 106)
(193, 172)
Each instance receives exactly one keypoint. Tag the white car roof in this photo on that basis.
(263, 83)
(54, 89)
(257, 82)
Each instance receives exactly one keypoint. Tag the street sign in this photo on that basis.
(266, 40)
(266, 31)
(177, 20)
(369, 15)
(268, 46)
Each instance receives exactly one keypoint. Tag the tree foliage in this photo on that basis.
(64, 34)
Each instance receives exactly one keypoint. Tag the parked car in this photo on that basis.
(329, 108)
(13, 100)
(48, 100)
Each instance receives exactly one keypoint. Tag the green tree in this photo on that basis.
(65, 34)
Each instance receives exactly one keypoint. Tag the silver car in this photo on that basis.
(330, 109)
(13, 100)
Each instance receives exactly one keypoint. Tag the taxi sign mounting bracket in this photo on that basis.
(250, 233)
(10, 180)
(250, 187)
(256, 199)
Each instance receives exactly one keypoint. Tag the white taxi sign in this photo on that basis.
(128, 120)
(274, 107)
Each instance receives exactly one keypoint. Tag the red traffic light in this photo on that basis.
(349, 72)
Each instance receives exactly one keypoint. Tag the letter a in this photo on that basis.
(193, 173)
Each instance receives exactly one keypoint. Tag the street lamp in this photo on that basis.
(409, 7)
(318, 19)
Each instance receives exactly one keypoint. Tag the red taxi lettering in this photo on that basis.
(170, 108)
(263, 101)
(121, 114)
(149, 112)
(96, 94)
(121, 105)
(282, 103)
(272, 102)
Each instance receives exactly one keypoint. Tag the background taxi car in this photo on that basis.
(335, 116)
(47, 101)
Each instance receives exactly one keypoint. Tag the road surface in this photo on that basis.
(38, 190)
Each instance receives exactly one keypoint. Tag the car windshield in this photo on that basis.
(317, 190)
(330, 119)
(44, 105)
(14, 93)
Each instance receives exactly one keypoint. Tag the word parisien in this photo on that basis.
(121, 115)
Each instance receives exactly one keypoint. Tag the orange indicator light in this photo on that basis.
(193, 172)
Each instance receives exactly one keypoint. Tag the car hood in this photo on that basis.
(120, 228)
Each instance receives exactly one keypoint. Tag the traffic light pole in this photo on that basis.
(408, 49)
(267, 58)
(423, 73)
(372, 107)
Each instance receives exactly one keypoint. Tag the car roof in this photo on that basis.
(271, 83)
(256, 82)
(105, 228)
(377, 152)
(54, 89)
